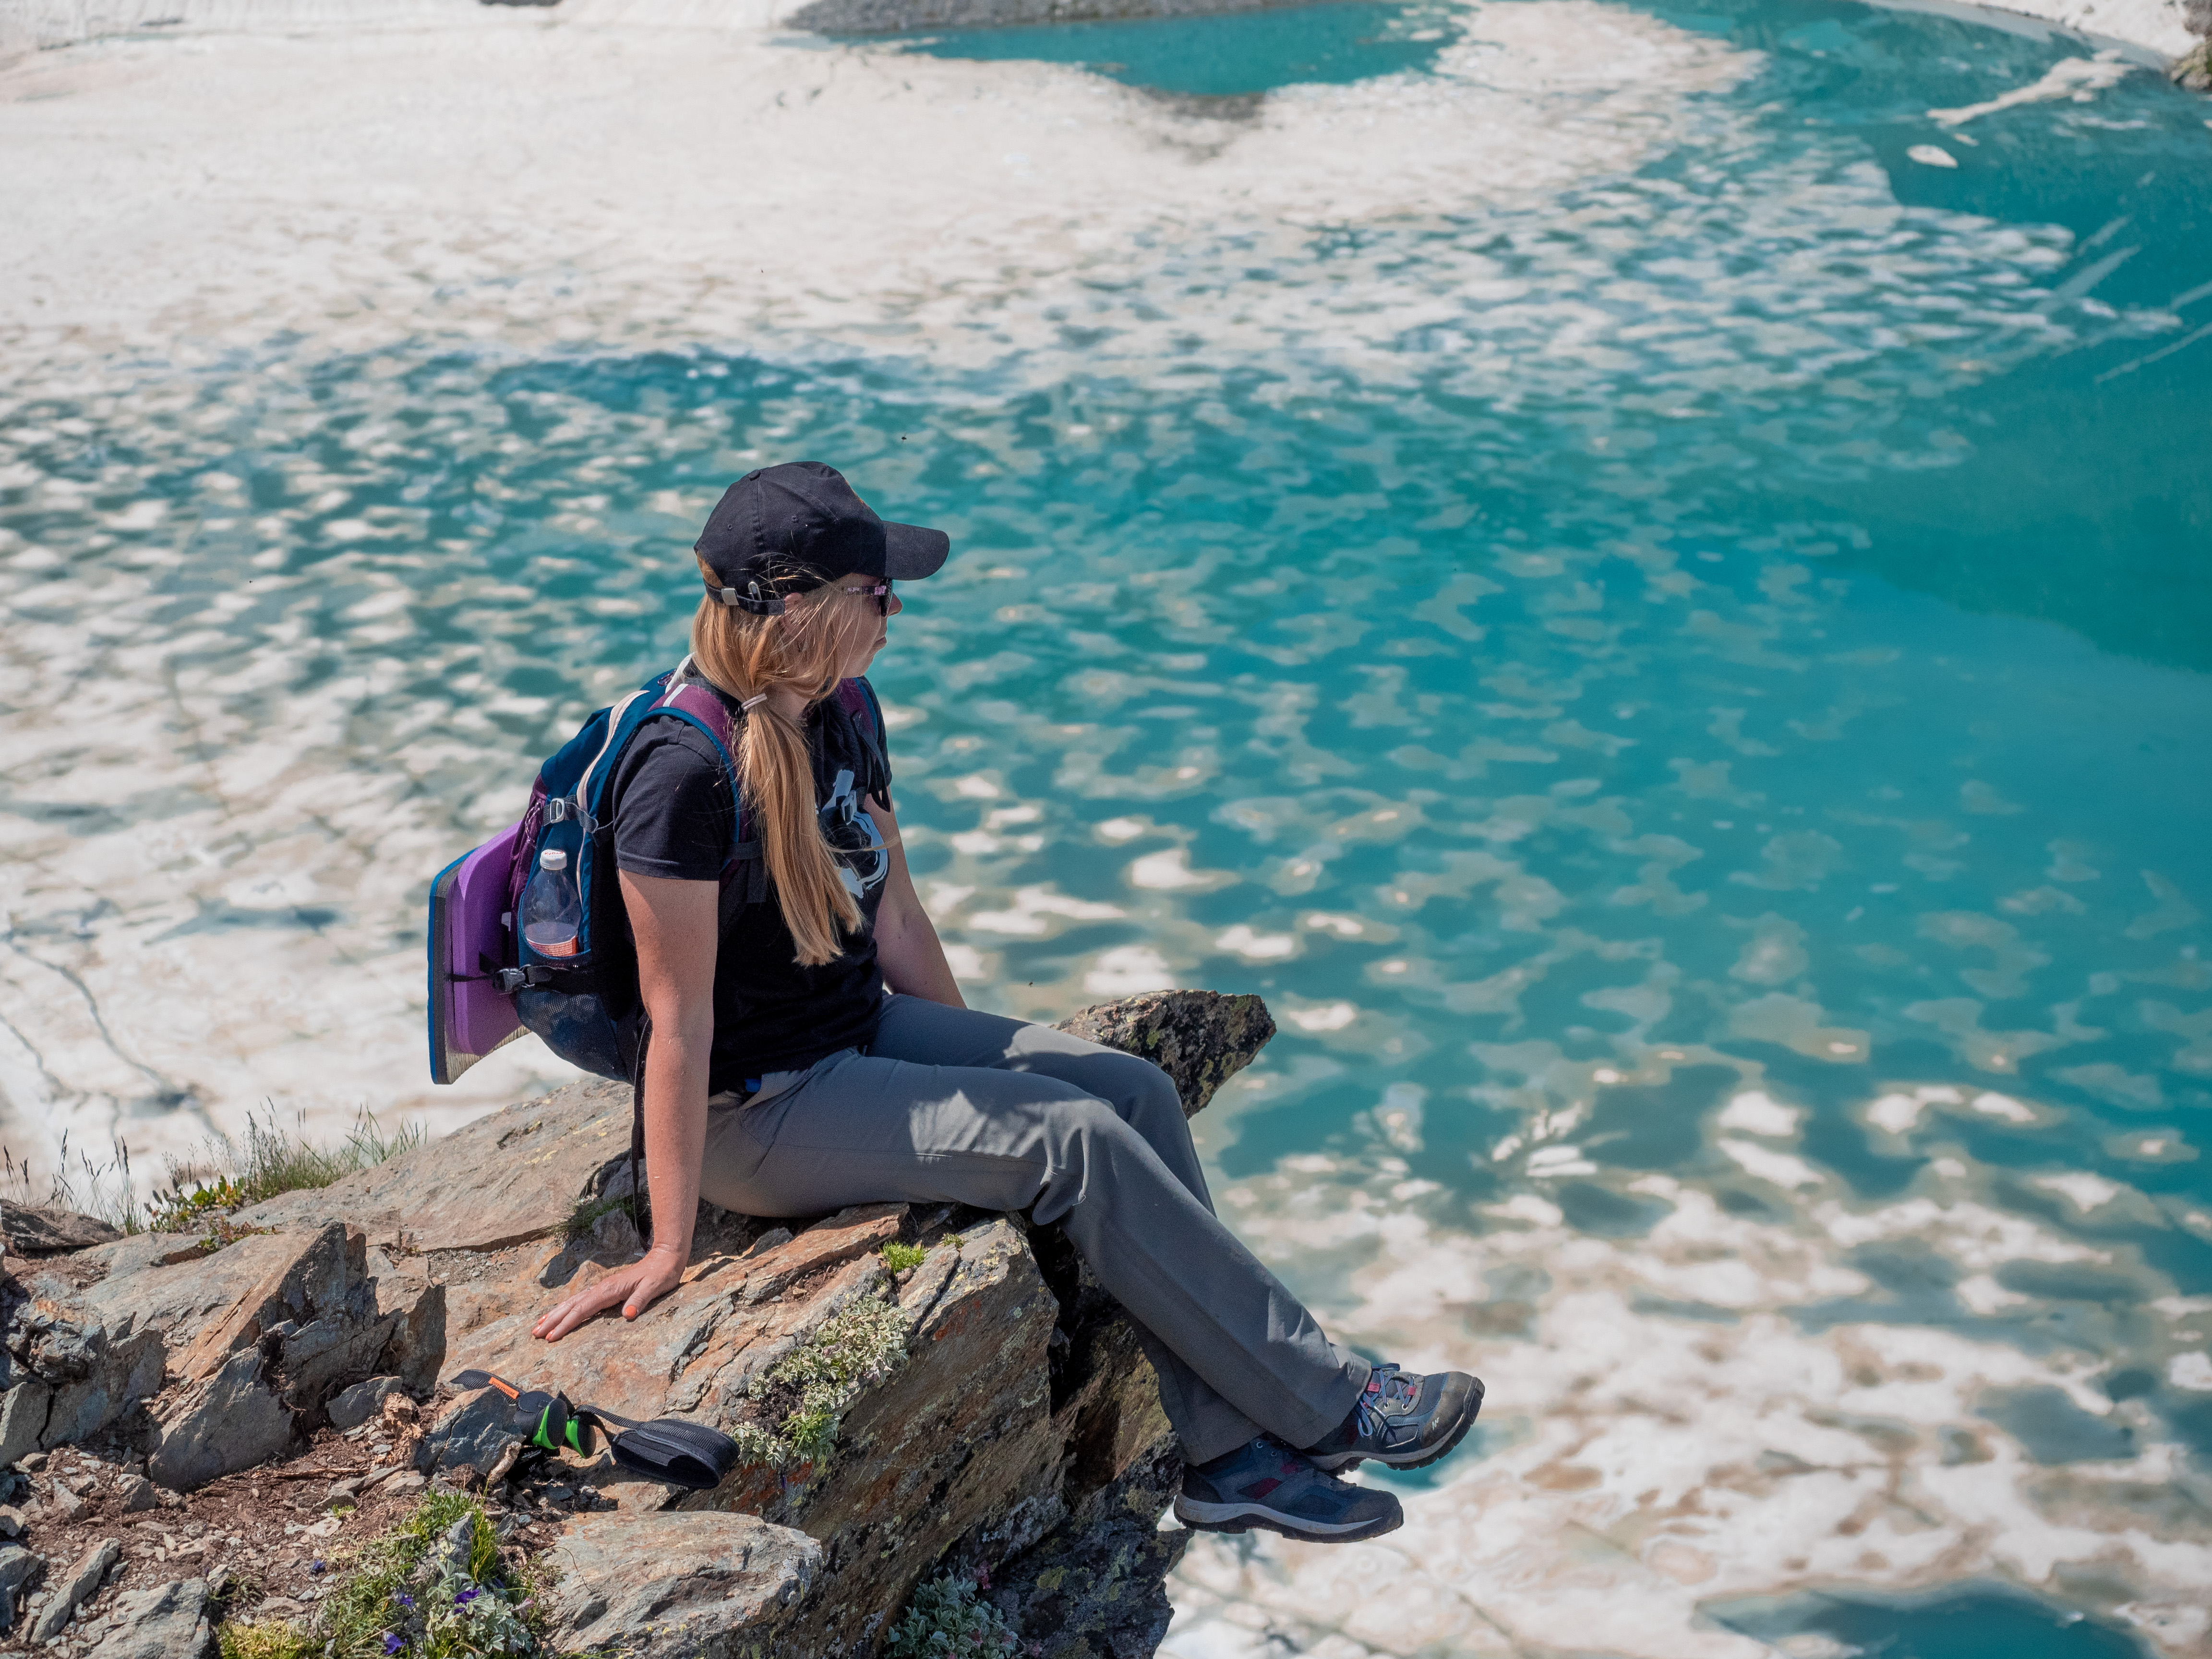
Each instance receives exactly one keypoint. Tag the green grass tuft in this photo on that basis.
(899, 1257)
(229, 1176)
(104, 1190)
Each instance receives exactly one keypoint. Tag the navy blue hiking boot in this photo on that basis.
(1264, 1484)
(1402, 1420)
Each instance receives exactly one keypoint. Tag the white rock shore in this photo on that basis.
(42, 25)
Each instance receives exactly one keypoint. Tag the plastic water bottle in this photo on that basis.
(552, 915)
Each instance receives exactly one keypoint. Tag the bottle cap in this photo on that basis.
(552, 858)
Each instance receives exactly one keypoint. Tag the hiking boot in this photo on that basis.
(1264, 1484)
(1402, 1420)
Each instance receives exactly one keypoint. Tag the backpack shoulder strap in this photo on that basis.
(858, 699)
(689, 699)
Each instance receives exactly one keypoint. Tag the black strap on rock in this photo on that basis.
(671, 1449)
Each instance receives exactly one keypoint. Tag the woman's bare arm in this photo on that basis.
(906, 947)
(676, 925)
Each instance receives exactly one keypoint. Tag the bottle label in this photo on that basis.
(560, 942)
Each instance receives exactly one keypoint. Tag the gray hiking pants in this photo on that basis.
(950, 1104)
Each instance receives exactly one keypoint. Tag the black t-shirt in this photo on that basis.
(673, 816)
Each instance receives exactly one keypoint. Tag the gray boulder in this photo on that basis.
(231, 1421)
(416, 1307)
(704, 1585)
(475, 1431)
(68, 1376)
(48, 1229)
(82, 1580)
(353, 1406)
(22, 1415)
(1200, 1038)
(167, 1621)
(19, 1571)
(313, 1359)
(318, 1294)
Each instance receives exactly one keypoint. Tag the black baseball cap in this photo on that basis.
(788, 528)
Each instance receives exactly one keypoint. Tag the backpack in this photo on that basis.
(487, 985)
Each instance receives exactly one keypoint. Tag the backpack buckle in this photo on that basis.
(512, 980)
(563, 808)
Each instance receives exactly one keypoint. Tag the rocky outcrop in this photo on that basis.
(254, 1339)
(508, 1179)
(957, 1447)
(1097, 1584)
(2192, 70)
(695, 1353)
(68, 1372)
(1200, 1038)
(891, 16)
(975, 1404)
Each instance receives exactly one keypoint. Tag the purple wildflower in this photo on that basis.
(405, 1601)
(465, 1598)
(391, 1643)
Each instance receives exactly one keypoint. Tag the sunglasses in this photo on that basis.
(881, 592)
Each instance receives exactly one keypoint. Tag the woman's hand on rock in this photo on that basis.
(635, 1288)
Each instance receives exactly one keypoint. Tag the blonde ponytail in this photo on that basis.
(804, 649)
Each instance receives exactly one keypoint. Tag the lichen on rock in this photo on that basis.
(1200, 1038)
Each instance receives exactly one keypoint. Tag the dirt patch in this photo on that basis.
(273, 1540)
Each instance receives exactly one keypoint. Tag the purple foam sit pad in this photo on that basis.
(469, 1016)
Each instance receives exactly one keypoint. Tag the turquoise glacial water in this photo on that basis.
(1979, 1622)
(1225, 57)
(1748, 627)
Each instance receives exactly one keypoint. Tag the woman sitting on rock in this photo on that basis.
(811, 1049)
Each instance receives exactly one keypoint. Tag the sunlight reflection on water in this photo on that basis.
(1684, 701)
